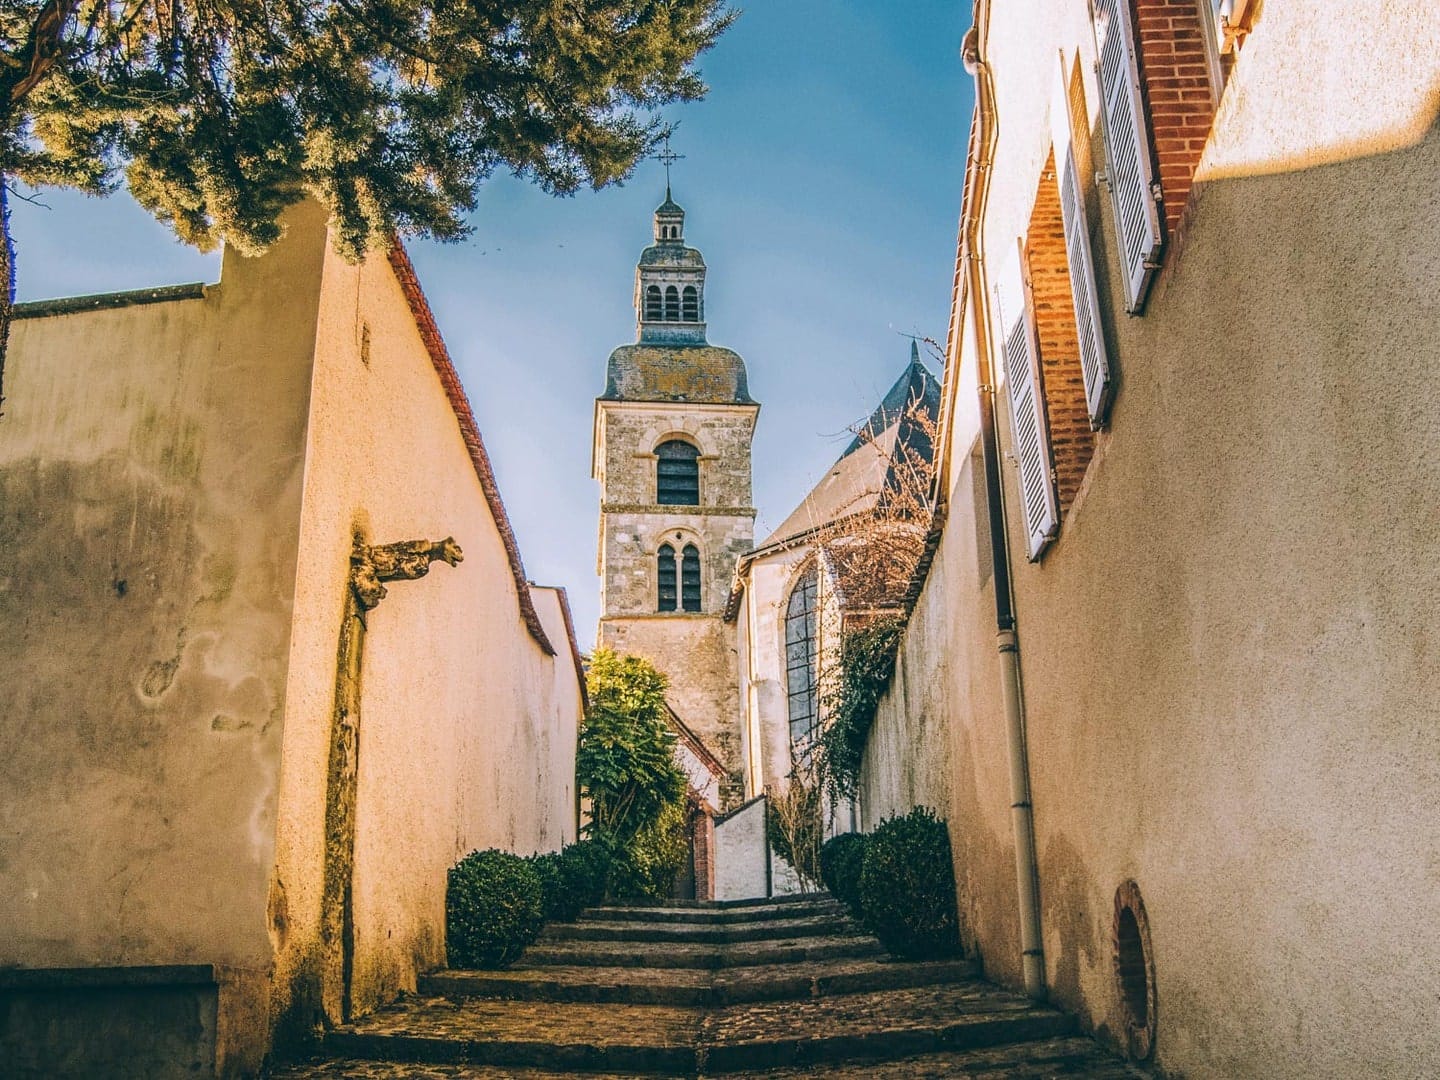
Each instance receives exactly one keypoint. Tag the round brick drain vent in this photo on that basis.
(1134, 970)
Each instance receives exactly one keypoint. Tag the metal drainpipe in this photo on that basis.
(1021, 815)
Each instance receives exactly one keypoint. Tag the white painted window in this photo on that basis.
(1020, 351)
(1094, 359)
(1130, 171)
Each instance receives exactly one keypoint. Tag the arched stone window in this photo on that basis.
(802, 663)
(690, 305)
(690, 578)
(677, 474)
(672, 304)
(653, 311)
(665, 570)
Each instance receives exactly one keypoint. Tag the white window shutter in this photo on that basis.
(1129, 166)
(1094, 360)
(1021, 355)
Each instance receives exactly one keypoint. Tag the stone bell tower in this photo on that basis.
(672, 455)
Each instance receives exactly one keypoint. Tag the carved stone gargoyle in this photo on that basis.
(371, 565)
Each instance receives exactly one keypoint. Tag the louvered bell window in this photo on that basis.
(690, 304)
(653, 310)
(1094, 360)
(690, 578)
(1134, 188)
(665, 571)
(1021, 354)
(672, 304)
(677, 474)
(802, 666)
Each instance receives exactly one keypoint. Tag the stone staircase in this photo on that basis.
(780, 988)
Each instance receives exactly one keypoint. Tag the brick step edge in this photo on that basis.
(971, 1032)
(457, 986)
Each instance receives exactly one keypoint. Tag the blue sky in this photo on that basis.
(821, 181)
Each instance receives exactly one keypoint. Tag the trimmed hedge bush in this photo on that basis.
(493, 909)
(841, 858)
(586, 866)
(571, 879)
(907, 886)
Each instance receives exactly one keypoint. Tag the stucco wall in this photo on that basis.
(1228, 651)
(467, 727)
(150, 476)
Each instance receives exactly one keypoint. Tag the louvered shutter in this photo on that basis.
(1094, 361)
(1130, 170)
(1021, 355)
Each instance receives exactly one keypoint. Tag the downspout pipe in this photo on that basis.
(982, 154)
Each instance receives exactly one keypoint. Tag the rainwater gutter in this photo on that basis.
(978, 170)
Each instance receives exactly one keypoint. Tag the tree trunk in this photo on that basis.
(7, 276)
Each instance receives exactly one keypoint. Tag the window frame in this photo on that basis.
(661, 458)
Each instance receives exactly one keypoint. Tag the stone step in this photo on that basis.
(768, 912)
(613, 1038)
(730, 905)
(1044, 1059)
(695, 986)
(692, 955)
(595, 930)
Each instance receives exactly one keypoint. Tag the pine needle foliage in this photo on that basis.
(390, 112)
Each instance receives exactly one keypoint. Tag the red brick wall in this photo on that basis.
(1176, 78)
(1072, 443)
(704, 856)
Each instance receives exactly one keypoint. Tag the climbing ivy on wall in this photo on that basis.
(867, 661)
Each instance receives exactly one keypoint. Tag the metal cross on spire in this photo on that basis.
(668, 157)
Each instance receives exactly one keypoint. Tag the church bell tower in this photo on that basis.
(672, 455)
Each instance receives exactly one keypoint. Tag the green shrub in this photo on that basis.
(571, 880)
(493, 909)
(585, 866)
(841, 858)
(552, 885)
(907, 886)
(646, 868)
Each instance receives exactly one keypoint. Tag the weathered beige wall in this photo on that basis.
(467, 727)
(150, 475)
(179, 483)
(1228, 653)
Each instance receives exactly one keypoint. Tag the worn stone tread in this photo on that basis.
(1046, 1059)
(713, 916)
(826, 925)
(657, 1038)
(680, 954)
(695, 986)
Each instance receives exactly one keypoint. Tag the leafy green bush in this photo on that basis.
(493, 909)
(571, 879)
(585, 866)
(907, 886)
(646, 868)
(841, 859)
(625, 758)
